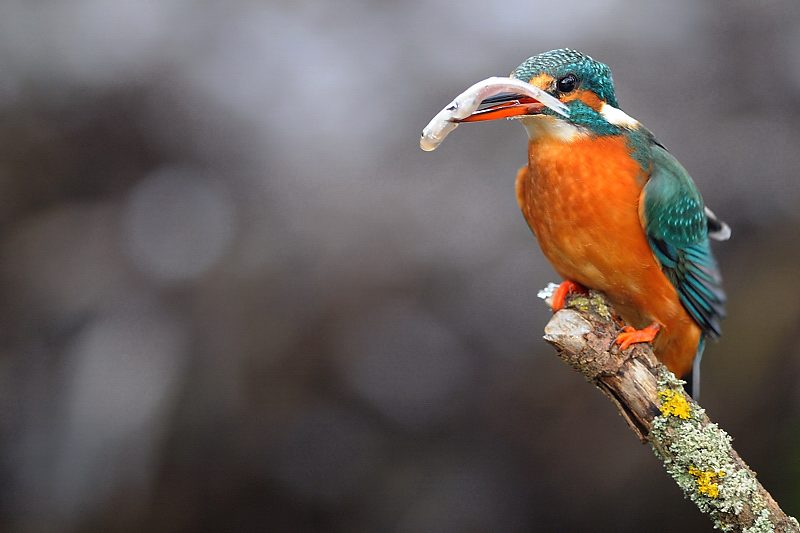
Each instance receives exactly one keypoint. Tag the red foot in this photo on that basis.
(630, 335)
(561, 293)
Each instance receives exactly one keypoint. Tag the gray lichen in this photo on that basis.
(699, 457)
(762, 524)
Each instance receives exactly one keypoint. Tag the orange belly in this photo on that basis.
(581, 199)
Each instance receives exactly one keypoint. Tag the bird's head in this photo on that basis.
(583, 85)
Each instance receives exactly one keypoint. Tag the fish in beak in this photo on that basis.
(490, 99)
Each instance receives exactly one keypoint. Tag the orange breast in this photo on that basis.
(581, 199)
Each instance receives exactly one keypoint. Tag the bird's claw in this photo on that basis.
(630, 335)
(561, 292)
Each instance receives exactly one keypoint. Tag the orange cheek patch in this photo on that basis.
(542, 81)
(587, 97)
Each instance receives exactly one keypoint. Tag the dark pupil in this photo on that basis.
(567, 83)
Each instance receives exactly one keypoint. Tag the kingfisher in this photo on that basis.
(611, 208)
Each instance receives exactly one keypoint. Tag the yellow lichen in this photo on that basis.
(704, 484)
(579, 302)
(673, 403)
(600, 307)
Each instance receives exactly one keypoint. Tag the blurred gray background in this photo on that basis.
(236, 295)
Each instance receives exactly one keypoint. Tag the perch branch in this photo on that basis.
(695, 451)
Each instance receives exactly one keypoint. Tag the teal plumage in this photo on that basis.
(677, 226)
(558, 63)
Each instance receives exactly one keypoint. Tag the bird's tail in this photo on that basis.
(693, 379)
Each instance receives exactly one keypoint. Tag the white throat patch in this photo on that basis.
(546, 126)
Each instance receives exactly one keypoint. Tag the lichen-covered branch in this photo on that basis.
(695, 451)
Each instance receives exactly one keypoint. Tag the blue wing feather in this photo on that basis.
(677, 228)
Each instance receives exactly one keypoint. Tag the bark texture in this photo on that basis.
(694, 450)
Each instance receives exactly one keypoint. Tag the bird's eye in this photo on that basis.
(567, 83)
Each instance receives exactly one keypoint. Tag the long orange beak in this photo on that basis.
(505, 105)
